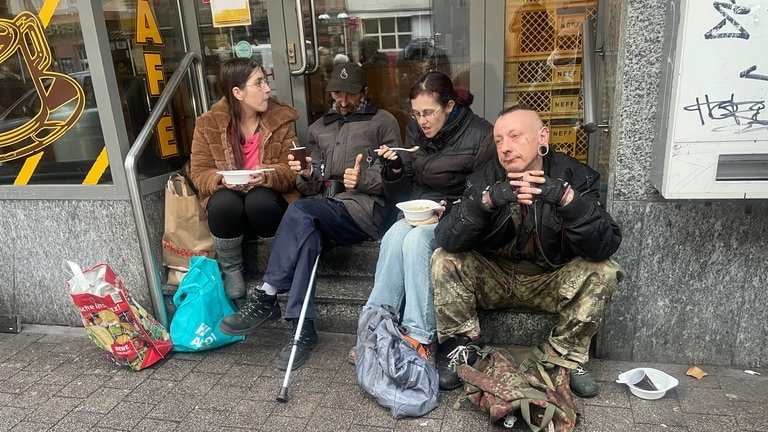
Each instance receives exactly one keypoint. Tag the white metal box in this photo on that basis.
(712, 123)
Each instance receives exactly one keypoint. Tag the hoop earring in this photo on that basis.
(542, 150)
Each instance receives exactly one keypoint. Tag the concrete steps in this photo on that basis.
(344, 281)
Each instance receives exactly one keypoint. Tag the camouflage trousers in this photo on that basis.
(578, 292)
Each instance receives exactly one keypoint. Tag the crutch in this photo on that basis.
(282, 396)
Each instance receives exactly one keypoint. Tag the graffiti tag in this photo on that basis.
(740, 116)
(724, 9)
(748, 74)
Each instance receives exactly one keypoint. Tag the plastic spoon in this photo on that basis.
(411, 149)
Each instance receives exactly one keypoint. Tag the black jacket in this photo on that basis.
(439, 169)
(582, 228)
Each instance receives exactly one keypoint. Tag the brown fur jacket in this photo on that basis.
(211, 152)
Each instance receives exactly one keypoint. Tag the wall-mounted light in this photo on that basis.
(324, 16)
(342, 15)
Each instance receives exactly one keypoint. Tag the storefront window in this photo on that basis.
(543, 66)
(50, 130)
(146, 45)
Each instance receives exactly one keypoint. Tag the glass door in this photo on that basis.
(395, 42)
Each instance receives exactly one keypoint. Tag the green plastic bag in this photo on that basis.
(200, 305)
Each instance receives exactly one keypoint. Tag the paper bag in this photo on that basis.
(186, 228)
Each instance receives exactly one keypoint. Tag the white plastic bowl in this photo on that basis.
(418, 210)
(661, 380)
(238, 177)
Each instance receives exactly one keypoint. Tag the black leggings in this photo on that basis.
(231, 214)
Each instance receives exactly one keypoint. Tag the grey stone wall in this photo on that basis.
(36, 236)
(696, 270)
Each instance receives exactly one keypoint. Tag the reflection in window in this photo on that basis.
(53, 126)
(543, 67)
(140, 46)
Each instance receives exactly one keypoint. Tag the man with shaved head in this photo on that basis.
(529, 232)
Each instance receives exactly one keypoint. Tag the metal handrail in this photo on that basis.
(134, 189)
(589, 75)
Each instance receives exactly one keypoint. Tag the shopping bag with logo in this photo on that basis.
(525, 384)
(186, 228)
(114, 321)
(200, 304)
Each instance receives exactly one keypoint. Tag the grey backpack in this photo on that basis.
(389, 368)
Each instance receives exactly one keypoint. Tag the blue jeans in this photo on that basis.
(403, 278)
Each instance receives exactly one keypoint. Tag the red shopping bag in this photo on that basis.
(114, 321)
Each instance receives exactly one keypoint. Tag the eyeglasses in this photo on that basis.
(260, 83)
(426, 113)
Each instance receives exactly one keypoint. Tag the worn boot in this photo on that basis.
(258, 309)
(307, 341)
(229, 252)
(452, 353)
(583, 382)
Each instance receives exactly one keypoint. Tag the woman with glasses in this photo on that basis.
(245, 130)
(452, 141)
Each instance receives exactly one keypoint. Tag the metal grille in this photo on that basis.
(537, 100)
(537, 32)
(533, 72)
(569, 42)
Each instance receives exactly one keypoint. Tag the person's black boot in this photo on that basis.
(452, 353)
(307, 341)
(258, 309)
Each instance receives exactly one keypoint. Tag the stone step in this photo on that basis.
(344, 281)
(357, 260)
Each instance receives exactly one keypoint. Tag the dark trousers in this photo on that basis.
(231, 214)
(306, 225)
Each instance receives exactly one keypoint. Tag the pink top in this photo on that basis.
(251, 152)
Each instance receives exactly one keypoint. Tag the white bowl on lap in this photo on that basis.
(418, 210)
(239, 177)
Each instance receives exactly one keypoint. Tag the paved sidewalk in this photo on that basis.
(55, 379)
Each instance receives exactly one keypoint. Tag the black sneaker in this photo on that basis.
(304, 345)
(460, 349)
(258, 309)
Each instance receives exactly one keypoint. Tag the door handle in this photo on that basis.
(303, 50)
(314, 38)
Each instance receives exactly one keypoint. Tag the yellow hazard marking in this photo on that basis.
(28, 169)
(98, 168)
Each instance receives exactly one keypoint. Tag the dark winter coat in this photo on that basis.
(334, 143)
(582, 228)
(439, 169)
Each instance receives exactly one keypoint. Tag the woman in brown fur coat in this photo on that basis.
(246, 129)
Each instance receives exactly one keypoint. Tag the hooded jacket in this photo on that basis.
(582, 228)
(334, 143)
(439, 168)
(212, 152)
